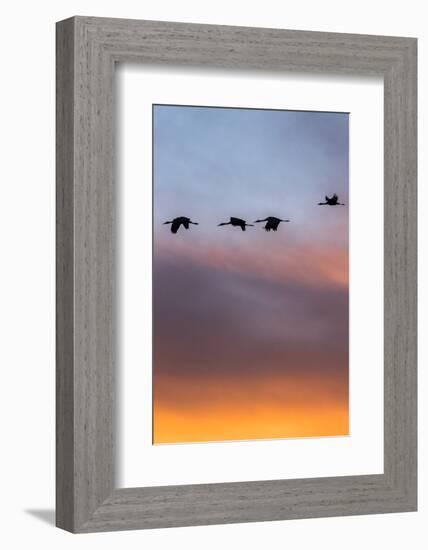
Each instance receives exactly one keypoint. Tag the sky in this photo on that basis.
(250, 328)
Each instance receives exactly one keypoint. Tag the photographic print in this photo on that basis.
(250, 274)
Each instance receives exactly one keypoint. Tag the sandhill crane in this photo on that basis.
(331, 201)
(237, 222)
(177, 222)
(272, 223)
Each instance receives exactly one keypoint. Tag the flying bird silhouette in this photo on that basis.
(237, 222)
(272, 223)
(177, 222)
(331, 201)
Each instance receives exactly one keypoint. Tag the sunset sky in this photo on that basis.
(250, 328)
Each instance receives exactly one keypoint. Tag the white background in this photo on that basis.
(360, 453)
(27, 274)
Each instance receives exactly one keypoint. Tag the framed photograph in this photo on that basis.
(236, 274)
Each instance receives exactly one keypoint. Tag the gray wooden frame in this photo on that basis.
(87, 50)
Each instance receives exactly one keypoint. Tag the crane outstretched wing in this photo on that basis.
(174, 227)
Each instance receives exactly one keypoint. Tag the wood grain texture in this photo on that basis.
(64, 276)
(87, 49)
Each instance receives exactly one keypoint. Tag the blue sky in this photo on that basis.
(210, 163)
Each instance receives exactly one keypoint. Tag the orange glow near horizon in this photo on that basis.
(279, 407)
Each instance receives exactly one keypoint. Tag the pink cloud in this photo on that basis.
(320, 266)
